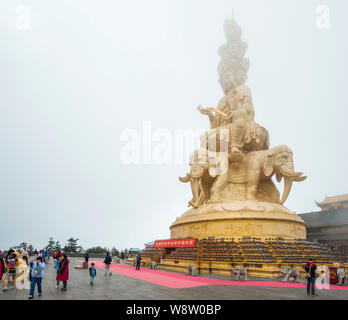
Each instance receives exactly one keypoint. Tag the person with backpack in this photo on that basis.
(310, 268)
(63, 272)
(107, 262)
(11, 264)
(37, 274)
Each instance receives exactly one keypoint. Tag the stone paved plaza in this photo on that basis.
(121, 287)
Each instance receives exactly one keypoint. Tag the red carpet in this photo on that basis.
(181, 281)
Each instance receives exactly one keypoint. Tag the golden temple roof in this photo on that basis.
(332, 200)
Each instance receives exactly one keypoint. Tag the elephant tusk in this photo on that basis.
(298, 179)
(287, 188)
(185, 179)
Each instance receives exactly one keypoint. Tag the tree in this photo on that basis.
(97, 249)
(50, 245)
(21, 246)
(57, 246)
(115, 252)
(72, 246)
(30, 249)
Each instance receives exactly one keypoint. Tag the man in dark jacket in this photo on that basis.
(310, 268)
(138, 260)
(86, 256)
(107, 262)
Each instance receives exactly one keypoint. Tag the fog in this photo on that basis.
(75, 75)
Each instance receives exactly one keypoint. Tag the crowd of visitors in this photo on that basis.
(36, 262)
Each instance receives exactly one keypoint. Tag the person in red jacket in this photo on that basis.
(2, 265)
(63, 272)
(58, 255)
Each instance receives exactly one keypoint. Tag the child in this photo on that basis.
(92, 273)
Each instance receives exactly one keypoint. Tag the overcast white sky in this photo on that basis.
(85, 71)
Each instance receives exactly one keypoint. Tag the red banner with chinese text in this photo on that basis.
(173, 243)
(333, 275)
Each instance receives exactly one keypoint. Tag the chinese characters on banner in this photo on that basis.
(173, 243)
(333, 275)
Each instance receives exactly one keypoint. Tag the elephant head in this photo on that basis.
(279, 161)
(284, 270)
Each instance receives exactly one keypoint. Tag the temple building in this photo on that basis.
(330, 225)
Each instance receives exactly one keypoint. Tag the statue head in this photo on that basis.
(239, 96)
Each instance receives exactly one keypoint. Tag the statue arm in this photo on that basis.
(208, 113)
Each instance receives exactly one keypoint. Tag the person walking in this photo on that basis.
(37, 274)
(63, 272)
(92, 274)
(310, 268)
(138, 260)
(86, 256)
(107, 262)
(11, 264)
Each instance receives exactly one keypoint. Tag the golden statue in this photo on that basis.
(231, 173)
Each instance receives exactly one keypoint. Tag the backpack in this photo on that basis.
(11, 265)
(37, 271)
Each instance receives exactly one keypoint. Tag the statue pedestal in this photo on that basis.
(239, 219)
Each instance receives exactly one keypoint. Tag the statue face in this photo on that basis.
(234, 98)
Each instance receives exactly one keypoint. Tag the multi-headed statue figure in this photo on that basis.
(234, 161)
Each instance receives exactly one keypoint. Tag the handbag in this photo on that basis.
(308, 274)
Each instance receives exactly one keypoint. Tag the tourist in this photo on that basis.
(107, 262)
(9, 253)
(58, 262)
(37, 273)
(54, 259)
(25, 255)
(58, 255)
(47, 255)
(92, 273)
(11, 264)
(86, 256)
(2, 265)
(138, 260)
(63, 272)
(310, 268)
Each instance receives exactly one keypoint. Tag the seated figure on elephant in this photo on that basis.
(233, 132)
(234, 121)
